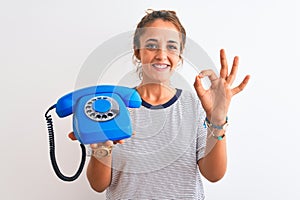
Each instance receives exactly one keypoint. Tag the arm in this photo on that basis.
(213, 165)
(99, 173)
(216, 101)
(99, 169)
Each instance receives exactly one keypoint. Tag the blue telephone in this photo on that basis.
(99, 114)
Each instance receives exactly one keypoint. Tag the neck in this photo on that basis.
(156, 94)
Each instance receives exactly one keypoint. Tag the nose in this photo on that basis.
(161, 54)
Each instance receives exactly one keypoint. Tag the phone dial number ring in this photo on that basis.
(101, 108)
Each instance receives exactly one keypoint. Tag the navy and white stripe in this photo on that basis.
(160, 160)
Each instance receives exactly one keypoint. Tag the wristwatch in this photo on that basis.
(102, 151)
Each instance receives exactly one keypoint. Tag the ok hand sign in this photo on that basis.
(216, 99)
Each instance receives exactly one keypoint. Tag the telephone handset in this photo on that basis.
(99, 114)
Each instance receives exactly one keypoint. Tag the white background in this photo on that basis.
(43, 45)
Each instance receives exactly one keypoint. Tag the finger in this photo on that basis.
(122, 141)
(72, 136)
(119, 141)
(210, 73)
(224, 65)
(106, 143)
(94, 146)
(233, 71)
(241, 86)
(199, 87)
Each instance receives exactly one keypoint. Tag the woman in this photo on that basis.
(166, 160)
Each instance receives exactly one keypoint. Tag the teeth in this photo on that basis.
(160, 66)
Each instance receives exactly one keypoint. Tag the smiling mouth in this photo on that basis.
(160, 66)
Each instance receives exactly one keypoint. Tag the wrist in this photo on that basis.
(216, 131)
(216, 119)
(216, 134)
(219, 125)
(101, 152)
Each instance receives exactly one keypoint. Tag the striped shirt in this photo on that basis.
(160, 160)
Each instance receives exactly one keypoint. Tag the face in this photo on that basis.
(159, 51)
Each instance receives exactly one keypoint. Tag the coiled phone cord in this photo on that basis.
(52, 151)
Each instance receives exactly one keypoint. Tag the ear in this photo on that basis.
(180, 59)
(137, 54)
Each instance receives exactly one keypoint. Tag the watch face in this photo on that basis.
(102, 152)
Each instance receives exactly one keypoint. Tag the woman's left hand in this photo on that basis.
(216, 99)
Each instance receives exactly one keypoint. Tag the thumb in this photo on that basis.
(72, 136)
(199, 87)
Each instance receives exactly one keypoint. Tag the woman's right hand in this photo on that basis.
(101, 149)
(96, 145)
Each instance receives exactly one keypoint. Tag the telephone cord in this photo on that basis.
(52, 151)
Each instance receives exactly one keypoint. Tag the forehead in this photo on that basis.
(160, 34)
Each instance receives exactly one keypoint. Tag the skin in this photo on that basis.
(160, 50)
(159, 47)
(216, 101)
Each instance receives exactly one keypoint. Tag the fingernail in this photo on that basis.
(94, 145)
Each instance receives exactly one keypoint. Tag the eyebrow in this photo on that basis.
(155, 40)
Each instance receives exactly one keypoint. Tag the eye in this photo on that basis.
(172, 47)
(151, 46)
